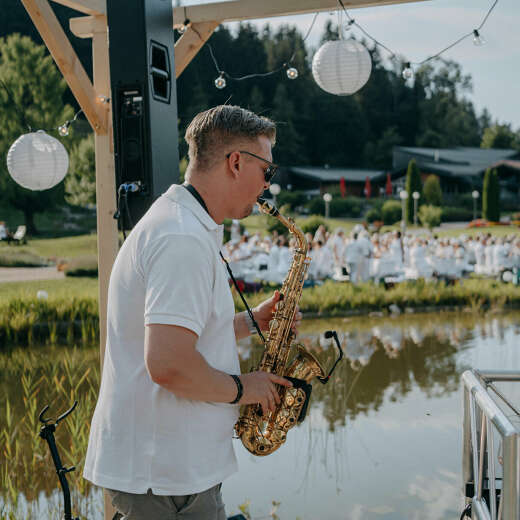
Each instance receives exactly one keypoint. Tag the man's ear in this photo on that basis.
(234, 164)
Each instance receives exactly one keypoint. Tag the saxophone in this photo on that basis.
(263, 433)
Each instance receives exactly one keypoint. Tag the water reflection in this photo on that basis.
(380, 439)
(385, 357)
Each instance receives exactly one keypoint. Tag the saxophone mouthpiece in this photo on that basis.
(267, 207)
(328, 334)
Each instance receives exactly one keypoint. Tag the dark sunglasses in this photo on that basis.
(271, 170)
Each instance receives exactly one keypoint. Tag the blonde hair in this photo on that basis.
(212, 130)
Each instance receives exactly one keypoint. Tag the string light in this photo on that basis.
(408, 71)
(220, 82)
(184, 27)
(63, 129)
(478, 39)
(292, 73)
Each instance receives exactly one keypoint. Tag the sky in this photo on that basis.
(418, 30)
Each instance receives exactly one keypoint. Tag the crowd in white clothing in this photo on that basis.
(359, 256)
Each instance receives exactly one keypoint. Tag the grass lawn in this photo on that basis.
(67, 288)
(66, 247)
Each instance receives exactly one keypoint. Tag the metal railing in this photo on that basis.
(492, 491)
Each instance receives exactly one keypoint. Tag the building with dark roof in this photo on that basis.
(315, 179)
(460, 169)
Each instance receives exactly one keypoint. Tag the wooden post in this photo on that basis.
(107, 236)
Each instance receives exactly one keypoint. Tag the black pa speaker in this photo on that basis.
(144, 102)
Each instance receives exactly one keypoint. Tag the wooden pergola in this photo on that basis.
(93, 97)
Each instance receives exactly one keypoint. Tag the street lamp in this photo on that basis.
(327, 197)
(274, 189)
(415, 196)
(404, 196)
(475, 194)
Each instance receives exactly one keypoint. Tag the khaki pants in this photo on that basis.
(206, 505)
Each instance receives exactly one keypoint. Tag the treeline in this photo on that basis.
(314, 127)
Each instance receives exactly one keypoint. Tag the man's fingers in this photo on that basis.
(279, 380)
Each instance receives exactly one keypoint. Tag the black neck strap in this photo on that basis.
(200, 200)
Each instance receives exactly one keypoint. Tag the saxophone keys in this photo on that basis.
(279, 305)
(274, 324)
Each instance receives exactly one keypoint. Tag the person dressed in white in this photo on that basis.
(366, 252)
(353, 258)
(161, 435)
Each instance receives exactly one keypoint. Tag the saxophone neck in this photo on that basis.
(269, 209)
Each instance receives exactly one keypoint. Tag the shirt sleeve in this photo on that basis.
(179, 277)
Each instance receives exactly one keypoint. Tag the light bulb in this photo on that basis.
(184, 27)
(478, 39)
(63, 129)
(220, 82)
(407, 71)
(292, 73)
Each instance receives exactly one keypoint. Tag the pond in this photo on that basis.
(382, 440)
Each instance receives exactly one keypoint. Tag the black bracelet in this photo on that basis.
(240, 389)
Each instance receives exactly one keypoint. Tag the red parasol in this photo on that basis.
(388, 187)
(368, 188)
(342, 187)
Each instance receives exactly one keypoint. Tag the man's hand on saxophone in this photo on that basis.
(263, 314)
(259, 388)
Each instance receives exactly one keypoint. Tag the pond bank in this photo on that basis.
(26, 320)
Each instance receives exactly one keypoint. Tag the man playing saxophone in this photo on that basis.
(160, 440)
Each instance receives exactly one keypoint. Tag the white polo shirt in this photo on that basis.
(142, 436)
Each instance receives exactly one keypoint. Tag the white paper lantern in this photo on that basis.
(341, 67)
(37, 161)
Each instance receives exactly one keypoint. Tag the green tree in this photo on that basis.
(500, 136)
(35, 100)
(432, 191)
(430, 216)
(491, 196)
(413, 184)
(80, 182)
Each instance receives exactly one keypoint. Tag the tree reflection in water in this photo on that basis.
(388, 357)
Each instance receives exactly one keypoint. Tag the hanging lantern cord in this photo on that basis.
(257, 75)
(393, 55)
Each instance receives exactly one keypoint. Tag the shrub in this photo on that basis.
(312, 223)
(432, 191)
(373, 215)
(430, 216)
(20, 257)
(451, 214)
(391, 212)
(292, 199)
(82, 266)
(338, 207)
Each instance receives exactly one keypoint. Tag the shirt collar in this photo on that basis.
(182, 196)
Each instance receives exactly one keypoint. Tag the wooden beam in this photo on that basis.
(107, 237)
(86, 26)
(94, 7)
(67, 61)
(253, 9)
(187, 46)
